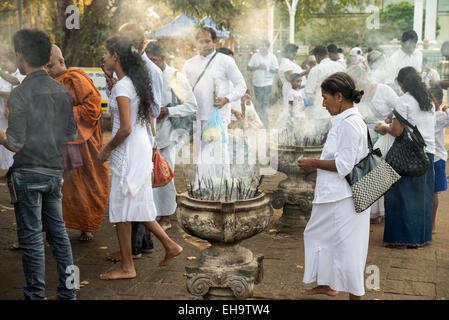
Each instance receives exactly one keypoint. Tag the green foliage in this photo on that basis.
(395, 19)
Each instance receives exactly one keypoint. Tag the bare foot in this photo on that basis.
(319, 290)
(14, 247)
(116, 256)
(118, 274)
(165, 223)
(55, 297)
(148, 251)
(86, 236)
(166, 226)
(170, 255)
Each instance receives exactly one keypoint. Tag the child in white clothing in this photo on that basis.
(441, 123)
(296, 104)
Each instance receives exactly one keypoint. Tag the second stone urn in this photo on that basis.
(295, 194)
(225, 269)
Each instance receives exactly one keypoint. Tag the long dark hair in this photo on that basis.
(413, 84)
(343, 83)
(135, 68)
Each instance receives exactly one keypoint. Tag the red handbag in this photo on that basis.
(162, 172)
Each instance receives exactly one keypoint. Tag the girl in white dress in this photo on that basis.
(130, 149)
(336, 237)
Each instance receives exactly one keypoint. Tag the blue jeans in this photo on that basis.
(37, 201)
(263, 97)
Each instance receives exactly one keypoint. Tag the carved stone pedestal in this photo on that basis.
(225, 272)
(295, 194)
(226, 269)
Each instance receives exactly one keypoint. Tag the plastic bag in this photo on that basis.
(214, 130)
(384, 143)
(251, 116)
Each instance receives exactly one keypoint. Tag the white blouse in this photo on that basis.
(408, 107)
(380, 106)
(347, 144)
(441, 123)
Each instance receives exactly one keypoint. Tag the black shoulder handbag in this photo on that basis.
(407, 155)
(371, 178)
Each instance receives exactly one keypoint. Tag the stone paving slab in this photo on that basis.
(404, 274)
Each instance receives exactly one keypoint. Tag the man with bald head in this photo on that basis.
(86, 182)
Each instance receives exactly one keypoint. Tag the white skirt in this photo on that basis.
(336, 246)
(128, 208)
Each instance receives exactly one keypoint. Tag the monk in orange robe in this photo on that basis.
(86, 181)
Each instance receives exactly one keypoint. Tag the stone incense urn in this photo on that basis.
(295, 194)
(225, 269)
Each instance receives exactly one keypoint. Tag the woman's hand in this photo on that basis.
(307, 164)
(380, 128)
(104, 155)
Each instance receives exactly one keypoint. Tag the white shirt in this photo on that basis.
(441, 123)
(342, 62)
(183, 91)
(380, 106)
(289, 65)
(399, 59)
(408, 107)
(263, 78)
(296, 98)
(316, 76)
(222, 69)
(5, 86)
(347, 144)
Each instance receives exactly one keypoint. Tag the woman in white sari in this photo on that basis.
(336, 237)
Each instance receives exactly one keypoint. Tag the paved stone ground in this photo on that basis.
(412, 274)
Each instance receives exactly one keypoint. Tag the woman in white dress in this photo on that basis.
(130, 149)
(336, 237)
(376, 106)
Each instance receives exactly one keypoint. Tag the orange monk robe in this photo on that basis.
(85, 189)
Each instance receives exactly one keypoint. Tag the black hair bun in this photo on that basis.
(357, 95)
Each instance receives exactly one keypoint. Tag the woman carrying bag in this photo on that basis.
(336, 237)
(408, 205)
(130, 150)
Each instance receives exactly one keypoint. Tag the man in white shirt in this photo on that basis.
(317, 75)
(334, 56)
(178, 101)
(210, 74)
(406, 56)
(264, 64)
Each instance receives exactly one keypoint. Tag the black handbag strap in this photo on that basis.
(407, 126)
(205, 68)
(370, 143)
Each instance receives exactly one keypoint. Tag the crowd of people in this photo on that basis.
(62, 175)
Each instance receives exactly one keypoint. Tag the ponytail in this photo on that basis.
(413, 84)
(135, 69)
